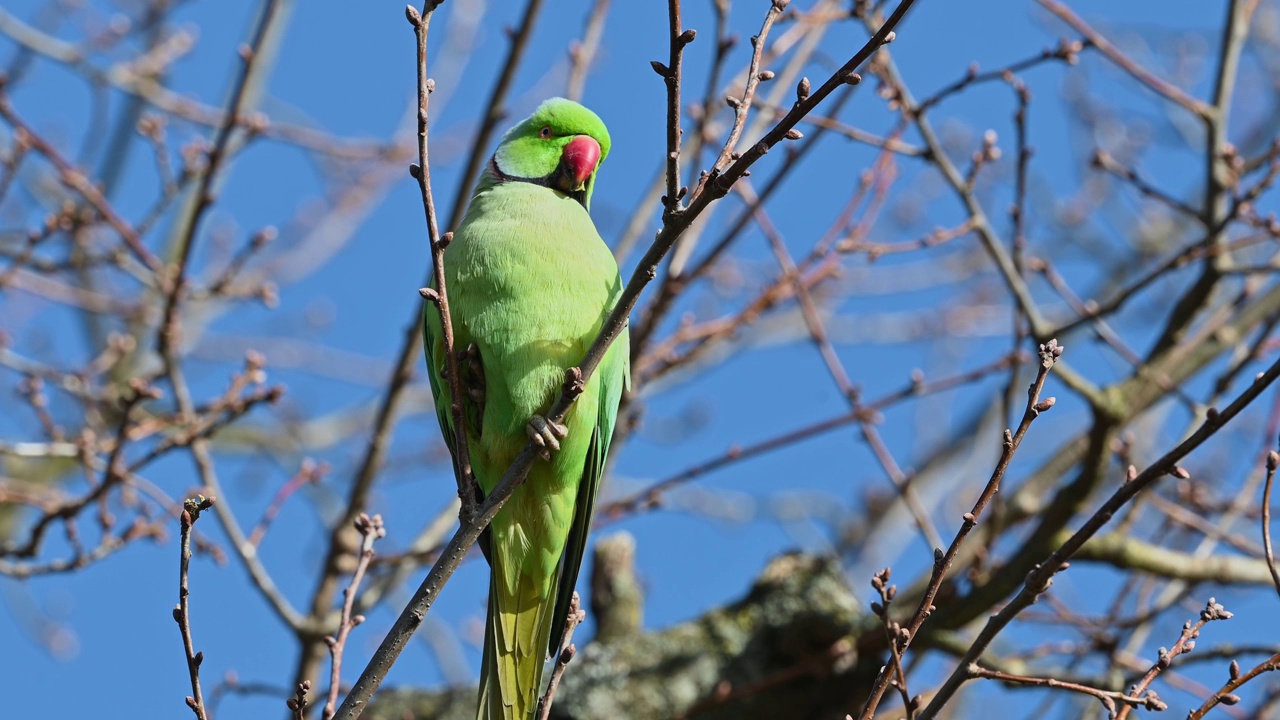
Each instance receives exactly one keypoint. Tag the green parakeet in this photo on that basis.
(530, 283)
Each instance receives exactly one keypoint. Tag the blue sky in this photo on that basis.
(348, 69)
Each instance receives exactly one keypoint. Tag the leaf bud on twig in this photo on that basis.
(802, 90)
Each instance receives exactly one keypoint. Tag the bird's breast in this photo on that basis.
(530, 282)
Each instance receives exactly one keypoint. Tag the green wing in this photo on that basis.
(614, 373)
(434, 349)
(433, 345)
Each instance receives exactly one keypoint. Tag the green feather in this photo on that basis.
(530, 283)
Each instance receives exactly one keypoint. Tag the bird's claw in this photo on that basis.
(546, 435)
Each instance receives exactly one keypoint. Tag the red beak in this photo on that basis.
(580, 157)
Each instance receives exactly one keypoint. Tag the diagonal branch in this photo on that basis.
(942, 562)
(76, 179)
(742, 105)
(1158, 85)
(1041, 577)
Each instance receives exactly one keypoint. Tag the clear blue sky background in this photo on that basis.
(348, 68)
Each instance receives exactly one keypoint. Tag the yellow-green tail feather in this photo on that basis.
(518, 631)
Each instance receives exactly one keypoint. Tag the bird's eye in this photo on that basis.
(545, 132)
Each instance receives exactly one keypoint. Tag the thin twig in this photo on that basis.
(1273, 459)
(1018, 248)
(564, 657)
(1049, 354)
(1124, 62)
(189, 224)
(1185, 644)
(1104, 160)
(818, 333)
(1108, 698)
(76, 179)
(1216, 207)
(710, 104)
(370, 529)
(1067, 51)
(670, 74)
(298, 703)
(191, 510)
(581, 54)
(310, 472)
(892, 630)
(439, 294)
(673, 285)
(257, 242)
(113, 473)
(742, 105)
(1187, 255)
(1226, 695)
(650, 497)
(981, 223)
(126, 77)
(198, 442)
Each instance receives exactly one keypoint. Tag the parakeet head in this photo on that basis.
(559, 146)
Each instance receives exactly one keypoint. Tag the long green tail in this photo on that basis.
(515, 653)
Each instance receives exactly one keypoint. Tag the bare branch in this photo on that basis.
(1049, 354)
(563, 658)
(581, 54)
(1273, 459)
(439, 295)
(1124, 62)
(1226, 695)
(182, 611)
(370, 529)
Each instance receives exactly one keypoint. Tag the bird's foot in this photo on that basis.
(546, 435)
